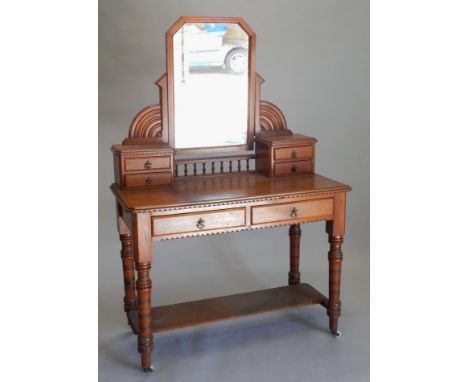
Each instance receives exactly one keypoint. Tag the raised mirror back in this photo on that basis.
(211, 65)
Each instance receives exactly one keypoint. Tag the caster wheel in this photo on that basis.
(337, 333)
(148, 370)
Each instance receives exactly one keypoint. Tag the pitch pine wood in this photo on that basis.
(192, 313)
(143, 258)
(285, 155)
(251, 94)
(335, 229)
(147, 179)
(153, 205)
(294, 276)
(227, 188)
(294, 152)
(223, 204)
(319, 209)
(143, 166)
(293, 168)
(198, 222)
(148, 163)
(128, 264)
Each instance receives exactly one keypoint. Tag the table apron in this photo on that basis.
(213, 219)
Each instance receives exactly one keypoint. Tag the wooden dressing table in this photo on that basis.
(165, 190)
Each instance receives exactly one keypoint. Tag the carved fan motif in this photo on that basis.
(271, 117)
(147, 123)
(147, 127)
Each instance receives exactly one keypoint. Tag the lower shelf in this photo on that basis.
(192, 313)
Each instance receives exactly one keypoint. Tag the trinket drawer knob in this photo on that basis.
(201, 224)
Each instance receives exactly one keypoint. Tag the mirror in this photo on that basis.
(211, 91)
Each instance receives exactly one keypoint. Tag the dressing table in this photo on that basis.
(213, 158)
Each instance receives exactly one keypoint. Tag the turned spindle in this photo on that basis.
(128, 264)
(335, 259)
(294, 251)
(145, 335)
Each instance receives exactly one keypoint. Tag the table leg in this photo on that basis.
(335, 259)
(128, 265)
(143, 257)
(335, 229)
(294, 251)
(145, 336)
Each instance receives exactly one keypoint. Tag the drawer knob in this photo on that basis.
(293, 168)
(294, 154)
(148, 181)
(147, 164)
(294, 212)
(201, 224)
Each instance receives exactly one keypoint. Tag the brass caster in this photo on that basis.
(336, 334)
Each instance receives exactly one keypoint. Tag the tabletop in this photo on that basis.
(189, 190)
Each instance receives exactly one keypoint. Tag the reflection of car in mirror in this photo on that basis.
(216, 46)
(210, 71)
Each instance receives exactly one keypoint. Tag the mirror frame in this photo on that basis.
(251, 83)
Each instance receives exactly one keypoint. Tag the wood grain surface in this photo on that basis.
(192, 313)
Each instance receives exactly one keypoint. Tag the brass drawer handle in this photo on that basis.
(149, 181)
(294, 154)
(201, 224)
(294, 212)
(293, 168)
(147, 164)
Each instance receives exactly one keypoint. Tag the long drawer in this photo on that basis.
(294, 211)
(198, 222)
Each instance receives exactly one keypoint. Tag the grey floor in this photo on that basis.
(293, 345)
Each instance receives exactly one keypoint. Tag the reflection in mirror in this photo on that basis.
(210, 85)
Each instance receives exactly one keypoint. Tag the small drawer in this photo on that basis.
(310, 209)
(292, 153)
(198, 222)
(147, 163)
(150, 179)
(290, 168)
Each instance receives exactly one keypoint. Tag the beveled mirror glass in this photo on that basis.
(211, 85)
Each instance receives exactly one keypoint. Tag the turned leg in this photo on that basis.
(145, 335)
(335, 229)
(335, 259)
(294, 251)
(128, 264)
(143, 255)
